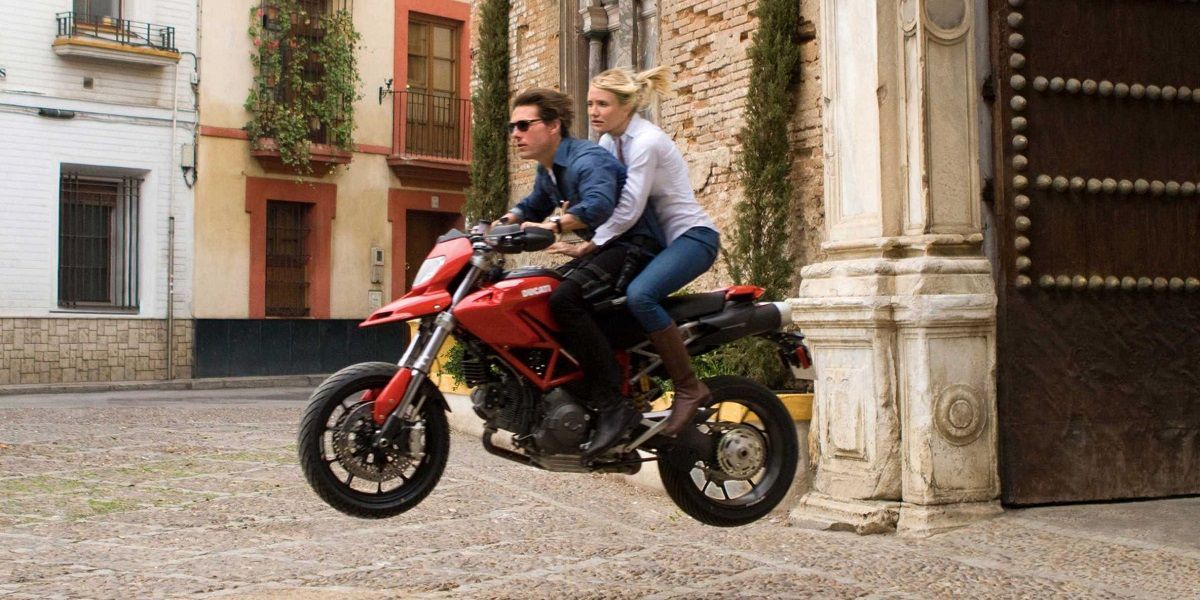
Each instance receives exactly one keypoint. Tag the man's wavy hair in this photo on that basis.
(552, 105)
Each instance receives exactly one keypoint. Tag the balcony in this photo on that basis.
(82, 35)
(433, 138)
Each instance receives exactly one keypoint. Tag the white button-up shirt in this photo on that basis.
(658, 175)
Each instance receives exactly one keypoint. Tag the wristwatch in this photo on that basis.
(557, 220)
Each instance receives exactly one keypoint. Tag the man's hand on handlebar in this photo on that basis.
(507, 219)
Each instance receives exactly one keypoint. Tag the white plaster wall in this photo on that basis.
(123, 122)
(32, 151)
(35, 70)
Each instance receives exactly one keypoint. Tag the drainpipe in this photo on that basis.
(171, 174)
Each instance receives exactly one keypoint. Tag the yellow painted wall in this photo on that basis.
(222, 264)
(225, 70)
(227, 74)
(360, 224)
(222, 224)
(376, 21)
(223, 230)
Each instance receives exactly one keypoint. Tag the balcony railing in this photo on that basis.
(121, 31)
(432, 126)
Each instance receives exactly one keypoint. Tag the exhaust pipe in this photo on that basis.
(785, 314)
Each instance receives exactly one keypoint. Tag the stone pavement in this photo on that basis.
(196, 493)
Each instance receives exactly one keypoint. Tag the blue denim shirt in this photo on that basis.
(590, 179)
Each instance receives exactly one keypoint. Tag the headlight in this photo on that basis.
(428, 269)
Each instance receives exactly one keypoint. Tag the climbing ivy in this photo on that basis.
(286, 38)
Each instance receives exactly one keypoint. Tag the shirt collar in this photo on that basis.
(635, 127)
(563, 154)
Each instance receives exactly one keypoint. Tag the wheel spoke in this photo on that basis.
(754, 486)
(379, 488)
(725, 491)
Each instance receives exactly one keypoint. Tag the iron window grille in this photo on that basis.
(98, 258)
(288, 258)
(436, 125)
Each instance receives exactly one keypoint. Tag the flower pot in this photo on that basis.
(322, 158)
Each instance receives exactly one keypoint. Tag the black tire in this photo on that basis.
(326, 470)
(777, 434)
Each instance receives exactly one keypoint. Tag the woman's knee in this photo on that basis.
(640, 298)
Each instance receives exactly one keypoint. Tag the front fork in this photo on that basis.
(398, 403)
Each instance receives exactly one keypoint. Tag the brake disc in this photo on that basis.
(353, 438)
(741, 452)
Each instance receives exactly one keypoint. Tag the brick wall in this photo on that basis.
(706, 42)
(79, 350)
(533, 43)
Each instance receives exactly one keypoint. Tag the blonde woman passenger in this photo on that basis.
(657, 178)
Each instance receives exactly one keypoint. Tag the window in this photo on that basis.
(435, 112)
(97, 10)
(98, 241)
(288, 254)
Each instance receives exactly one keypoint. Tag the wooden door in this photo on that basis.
(434, 109)
(1098, 218)
(421, 231)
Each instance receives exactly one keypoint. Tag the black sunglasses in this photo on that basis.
(522, 125)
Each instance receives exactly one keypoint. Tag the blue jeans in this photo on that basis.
(684, 260)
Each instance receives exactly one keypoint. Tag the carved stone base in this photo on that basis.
(864, 517)
(921, 521)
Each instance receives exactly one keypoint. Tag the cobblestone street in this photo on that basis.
(198, 494)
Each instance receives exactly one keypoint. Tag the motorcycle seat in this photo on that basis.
(688, 306)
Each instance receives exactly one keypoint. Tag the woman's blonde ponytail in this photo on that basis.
(637, 89)
(652, 82)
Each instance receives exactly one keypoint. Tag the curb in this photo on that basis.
(214, 383)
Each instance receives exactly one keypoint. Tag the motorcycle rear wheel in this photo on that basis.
(338, 461)
(755, 462)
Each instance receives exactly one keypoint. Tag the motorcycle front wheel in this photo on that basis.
(754, 462)
(341, 463)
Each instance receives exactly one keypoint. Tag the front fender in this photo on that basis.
(406, 308)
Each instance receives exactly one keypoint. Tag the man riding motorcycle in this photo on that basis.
(587, 180)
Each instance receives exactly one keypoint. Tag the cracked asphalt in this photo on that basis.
(197, 494)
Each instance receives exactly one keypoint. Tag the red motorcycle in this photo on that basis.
(374, 439)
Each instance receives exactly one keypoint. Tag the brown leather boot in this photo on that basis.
(690, 392)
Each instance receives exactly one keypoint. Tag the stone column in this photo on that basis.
(596, 31)
(901, 317)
